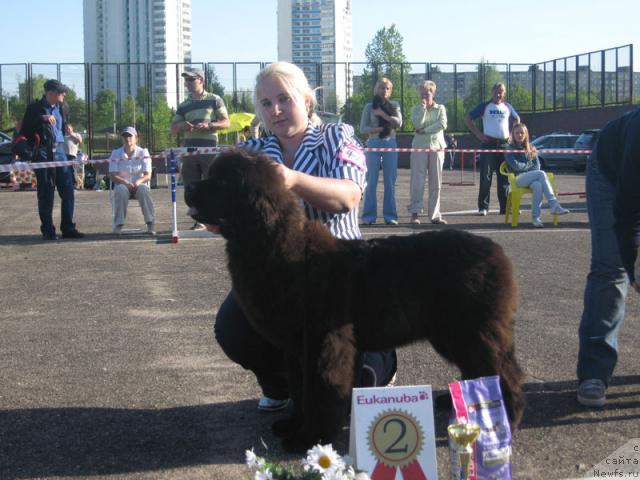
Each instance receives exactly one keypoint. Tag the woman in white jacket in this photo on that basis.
(430, 122)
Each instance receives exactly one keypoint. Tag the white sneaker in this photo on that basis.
(117, 230)
(267, 404)
(151, 229)
(558, 210)
(537, 223)
(482, 213)
(197, 227)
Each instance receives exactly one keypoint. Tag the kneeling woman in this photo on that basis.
(522, 159)
(325, 166)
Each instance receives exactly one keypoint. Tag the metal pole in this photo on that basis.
(174, 210)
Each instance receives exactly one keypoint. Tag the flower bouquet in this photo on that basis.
(321, 463)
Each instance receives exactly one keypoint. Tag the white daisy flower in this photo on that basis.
(253, 461)
(323, 458)
(263, 475)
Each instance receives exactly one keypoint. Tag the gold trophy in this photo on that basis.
(463, 435)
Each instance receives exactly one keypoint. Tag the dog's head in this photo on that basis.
(244, 193)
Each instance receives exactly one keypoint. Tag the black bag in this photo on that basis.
(24, 148)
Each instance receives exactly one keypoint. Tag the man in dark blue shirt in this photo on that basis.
(613, 204)
(44, 125)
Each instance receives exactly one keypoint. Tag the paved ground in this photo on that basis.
(108, 367)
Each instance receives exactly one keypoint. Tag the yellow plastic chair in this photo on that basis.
(515, 195)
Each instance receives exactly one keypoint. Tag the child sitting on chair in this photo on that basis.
(522, 159)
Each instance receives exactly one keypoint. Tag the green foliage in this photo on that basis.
(77, 110)
(213, 84)
(161, 123)
(385, 58)
(104, 112)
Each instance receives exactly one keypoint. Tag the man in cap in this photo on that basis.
(198, 119)
(44, 125)
(130, 171)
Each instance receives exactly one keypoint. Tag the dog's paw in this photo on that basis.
(298, 443)
(286, 427)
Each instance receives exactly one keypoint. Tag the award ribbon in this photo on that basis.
(395, 439)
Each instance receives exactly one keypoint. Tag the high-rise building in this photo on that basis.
(155, 32)
(317, 36)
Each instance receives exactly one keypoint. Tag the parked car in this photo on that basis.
(555, 141)
(5, 155)
(585, 141)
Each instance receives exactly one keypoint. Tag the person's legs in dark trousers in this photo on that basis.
(243, 345)
(45, 191)
(503, 181)
(486, 173)
(65, 184)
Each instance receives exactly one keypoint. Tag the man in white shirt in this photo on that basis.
(130, 170)
(495, 115)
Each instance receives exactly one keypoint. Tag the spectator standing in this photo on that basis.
(452, 144)
(522, 160)
(198, 119)
(495, 115)
(430, 121)
(130, 171)
(613, 206)
(380, 122)
(323, 165)
(72, 140)
(45, 119)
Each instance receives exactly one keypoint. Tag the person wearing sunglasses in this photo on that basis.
(197, 121)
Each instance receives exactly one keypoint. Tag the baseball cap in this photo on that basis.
(55, 86)
(194, 73)
(130, 131)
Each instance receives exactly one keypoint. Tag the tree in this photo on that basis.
(385, 58)
(161, 123)
(104, 116)
(131, 113)
(213, 85)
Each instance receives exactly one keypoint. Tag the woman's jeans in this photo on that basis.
(538, 182)
(389, 174)
(607, 284)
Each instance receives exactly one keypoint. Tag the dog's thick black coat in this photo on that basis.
(388, 108)
(320, 299)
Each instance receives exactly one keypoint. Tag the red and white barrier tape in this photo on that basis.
(183, 152)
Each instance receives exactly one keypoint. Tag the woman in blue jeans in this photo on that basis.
(522, 160)
(324, 166)
(380, 126)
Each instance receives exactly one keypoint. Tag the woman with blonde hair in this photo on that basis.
(324, 165)
(379, 121)
(522, 159)
(430, 121)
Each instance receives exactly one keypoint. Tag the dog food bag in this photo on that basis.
(480, 401)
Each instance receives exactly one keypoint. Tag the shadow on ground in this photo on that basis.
(92, 441)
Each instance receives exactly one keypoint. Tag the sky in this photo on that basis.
(444, 31)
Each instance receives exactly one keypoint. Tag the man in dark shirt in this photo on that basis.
(44, 124)
(613, 204)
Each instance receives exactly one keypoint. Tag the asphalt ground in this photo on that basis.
(109, 368)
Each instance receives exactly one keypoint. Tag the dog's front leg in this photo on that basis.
(327, 379)
(290, 425)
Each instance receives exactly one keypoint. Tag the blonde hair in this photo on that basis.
(428, 85)
(530, 150)
(296, 84)
(497, 85)
(382, 81)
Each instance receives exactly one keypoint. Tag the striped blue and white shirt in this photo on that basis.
(331, 151)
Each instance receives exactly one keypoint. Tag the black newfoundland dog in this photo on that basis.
(320, 299)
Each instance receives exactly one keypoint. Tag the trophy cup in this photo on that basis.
(463, 435)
